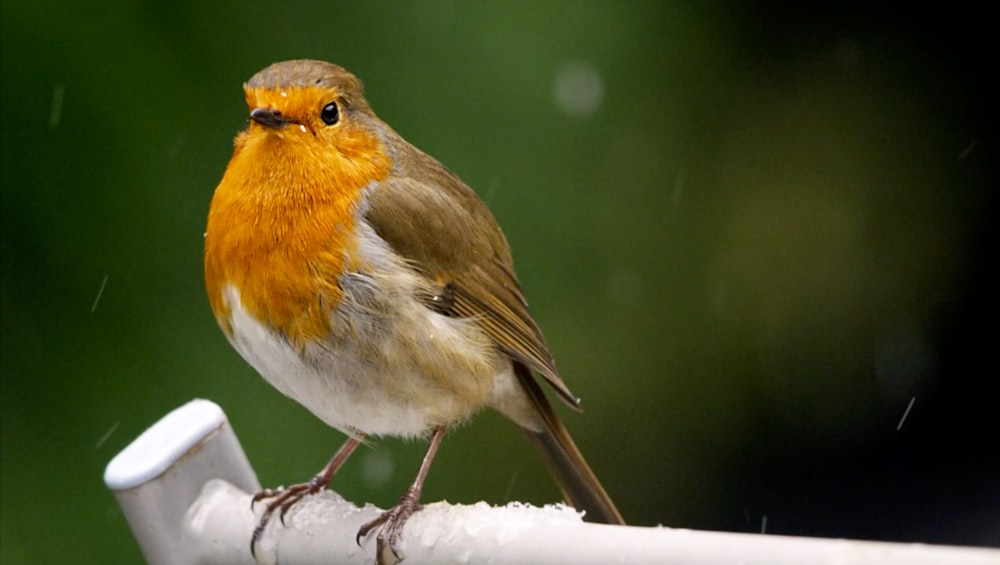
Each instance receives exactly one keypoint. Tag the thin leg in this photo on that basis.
(392, 520)
(285, 498)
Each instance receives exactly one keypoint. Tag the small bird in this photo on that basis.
(366, 281)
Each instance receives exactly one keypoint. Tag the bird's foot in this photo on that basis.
(390, 526)
(285, 498)
(282, 501)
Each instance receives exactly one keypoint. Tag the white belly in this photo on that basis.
(416, 371)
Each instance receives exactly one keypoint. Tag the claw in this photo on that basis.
(285, 498)
(390, 523)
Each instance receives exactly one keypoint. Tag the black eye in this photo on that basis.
(330, 114)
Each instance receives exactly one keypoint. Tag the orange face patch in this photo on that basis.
(281, 227)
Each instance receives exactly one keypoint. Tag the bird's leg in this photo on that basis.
(285, 498)
(391, 521)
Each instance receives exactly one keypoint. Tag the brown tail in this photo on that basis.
(577, 482)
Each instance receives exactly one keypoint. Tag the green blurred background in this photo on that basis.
(754, 236)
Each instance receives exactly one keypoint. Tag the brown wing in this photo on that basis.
(461, 247)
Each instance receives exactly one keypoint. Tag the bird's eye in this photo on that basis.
(330, 114)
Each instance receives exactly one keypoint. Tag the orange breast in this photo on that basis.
(281, 230)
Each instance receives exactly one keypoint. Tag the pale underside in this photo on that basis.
(391, 365)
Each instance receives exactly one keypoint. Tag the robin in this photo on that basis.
(366, 281)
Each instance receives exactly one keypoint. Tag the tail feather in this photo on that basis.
(579, 485)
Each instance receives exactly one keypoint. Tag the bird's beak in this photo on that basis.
(269, 117)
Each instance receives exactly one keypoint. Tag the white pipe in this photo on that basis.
(184, 486)
(162, 472)
(321, 529)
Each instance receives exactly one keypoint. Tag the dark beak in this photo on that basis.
(269, 117)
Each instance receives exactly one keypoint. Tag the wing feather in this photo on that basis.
(461, 248)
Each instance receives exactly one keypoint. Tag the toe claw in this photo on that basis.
(283, 500)
(390, 527)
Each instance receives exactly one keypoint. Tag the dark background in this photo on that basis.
(753, 235)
